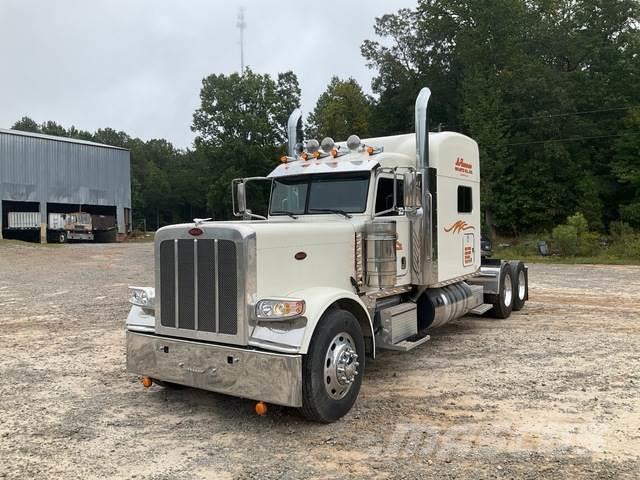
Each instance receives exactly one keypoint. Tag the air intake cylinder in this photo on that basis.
(380, 246)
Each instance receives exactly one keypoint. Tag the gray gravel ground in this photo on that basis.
(551, 392)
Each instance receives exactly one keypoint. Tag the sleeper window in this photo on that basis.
(465, 204)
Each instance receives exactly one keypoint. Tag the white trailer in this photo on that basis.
(23, 220)
(367, 246)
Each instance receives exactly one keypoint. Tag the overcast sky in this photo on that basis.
(137, 65)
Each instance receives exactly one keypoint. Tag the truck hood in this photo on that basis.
(289, 255)
(293, 256)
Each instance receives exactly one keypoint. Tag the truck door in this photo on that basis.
(384, 202)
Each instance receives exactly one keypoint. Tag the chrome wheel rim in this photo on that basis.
(522, 285)
(340, 366)
(507, 290)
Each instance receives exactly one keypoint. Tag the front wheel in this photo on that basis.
(333, 367)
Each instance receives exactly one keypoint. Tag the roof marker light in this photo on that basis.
(313, 146)
(327, 144)
(354, 143)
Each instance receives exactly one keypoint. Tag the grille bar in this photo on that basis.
(199, 285)
(168, 305)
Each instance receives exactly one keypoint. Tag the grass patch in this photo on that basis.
(526, 249)
(148, 237)
(21, 243)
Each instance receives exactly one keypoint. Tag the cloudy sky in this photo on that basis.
(137, 65)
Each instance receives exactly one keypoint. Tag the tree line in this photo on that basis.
(550, 89)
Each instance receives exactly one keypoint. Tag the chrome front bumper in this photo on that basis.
(270, 377)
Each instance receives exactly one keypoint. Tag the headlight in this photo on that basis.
(279, 309)
(142, 296)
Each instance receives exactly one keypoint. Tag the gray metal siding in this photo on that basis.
(46, 170)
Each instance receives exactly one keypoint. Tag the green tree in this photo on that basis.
(53, 128)
(511, 74)
(26, 124)
(342, 109)
(241, 128)
(626, 166)
(251, 108)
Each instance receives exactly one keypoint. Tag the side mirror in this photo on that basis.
(242, 197)
(411, 190)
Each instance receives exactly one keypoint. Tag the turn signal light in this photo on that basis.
(279, 309)
(147, 382)
(261, 409)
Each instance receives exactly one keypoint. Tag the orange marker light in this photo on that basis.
(316, 154)
(261, 409)
(305, 156)
(147, 382)
(334, 152)
(283, 159)
(370, 150)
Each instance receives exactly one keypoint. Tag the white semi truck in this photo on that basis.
(368, 244)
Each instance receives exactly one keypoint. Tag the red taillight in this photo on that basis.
(196, 231)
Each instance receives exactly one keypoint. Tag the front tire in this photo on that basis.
(333, 367)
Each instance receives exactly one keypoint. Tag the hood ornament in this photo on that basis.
(200, 221)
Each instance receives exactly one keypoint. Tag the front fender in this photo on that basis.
(295, 336)
(318, 300)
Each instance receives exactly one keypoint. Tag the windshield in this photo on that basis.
(313, 194)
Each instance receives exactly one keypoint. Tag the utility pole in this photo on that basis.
(241, 26)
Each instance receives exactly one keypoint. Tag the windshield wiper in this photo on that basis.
(331, 210)
(295, 217)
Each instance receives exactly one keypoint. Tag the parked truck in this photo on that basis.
(62, 227)
(367, 246)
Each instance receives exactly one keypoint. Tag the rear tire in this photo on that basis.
(503, 301)
(333, 367)
(520, 285)
(62, 237)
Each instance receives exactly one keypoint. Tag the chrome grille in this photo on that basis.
(199, 285)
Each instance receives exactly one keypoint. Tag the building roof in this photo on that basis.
(57, 139)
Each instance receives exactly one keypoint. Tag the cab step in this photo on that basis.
(405, 345)
(481, 309)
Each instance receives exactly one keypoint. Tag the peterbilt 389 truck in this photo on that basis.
(367, 246)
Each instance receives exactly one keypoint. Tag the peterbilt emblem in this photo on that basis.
(459, 226)
(300, 255)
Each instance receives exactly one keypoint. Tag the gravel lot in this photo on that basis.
(554, 391)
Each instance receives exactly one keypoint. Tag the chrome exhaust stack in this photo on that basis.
(292, 131)
(422, 223)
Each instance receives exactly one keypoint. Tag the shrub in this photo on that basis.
(588, 244)
(579, 222)
(565, 239)
(619, 231)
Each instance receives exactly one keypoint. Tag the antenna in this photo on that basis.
(241, 26)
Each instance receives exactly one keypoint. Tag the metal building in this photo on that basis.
(51, 174)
